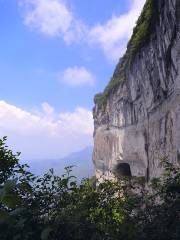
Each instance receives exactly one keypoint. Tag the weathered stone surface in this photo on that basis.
(140, 123)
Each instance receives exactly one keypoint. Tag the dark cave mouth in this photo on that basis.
(122, 170)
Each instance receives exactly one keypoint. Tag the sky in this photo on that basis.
(55, 56)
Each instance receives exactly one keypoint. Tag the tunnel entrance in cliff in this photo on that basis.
(122, 170)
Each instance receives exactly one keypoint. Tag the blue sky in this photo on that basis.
(55, 55)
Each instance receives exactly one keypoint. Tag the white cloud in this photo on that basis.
(77, 76)
(54, 18)
(48, 16)
(112, 36)
(42, 136)
(47, 108)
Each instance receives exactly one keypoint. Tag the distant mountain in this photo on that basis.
(81, 160)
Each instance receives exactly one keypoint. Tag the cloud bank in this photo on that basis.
(45, 133)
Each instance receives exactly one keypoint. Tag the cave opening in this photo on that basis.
(123, 170)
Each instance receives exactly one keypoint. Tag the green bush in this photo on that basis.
(57, 207)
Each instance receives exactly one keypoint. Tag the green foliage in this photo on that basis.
(141, 34)
(8, 161)
(143, 28)
(57, 207)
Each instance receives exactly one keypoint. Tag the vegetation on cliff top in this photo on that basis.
(140, 36)
(54, 207)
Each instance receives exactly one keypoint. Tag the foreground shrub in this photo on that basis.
(58, 208)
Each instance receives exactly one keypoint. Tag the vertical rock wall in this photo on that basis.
(139, 123)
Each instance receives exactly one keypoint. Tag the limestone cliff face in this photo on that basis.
(138, 120)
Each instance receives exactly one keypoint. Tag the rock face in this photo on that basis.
(138, 120)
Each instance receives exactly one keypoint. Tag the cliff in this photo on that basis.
(137, 117)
